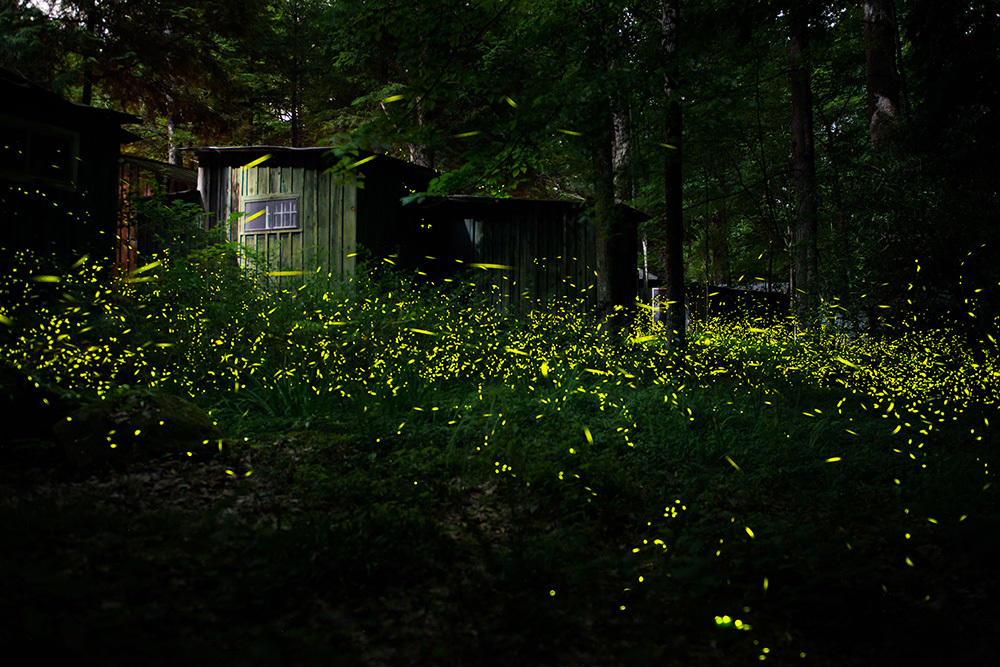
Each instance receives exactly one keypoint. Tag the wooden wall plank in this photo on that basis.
(350, 227)
(308, 204)
(331, 218)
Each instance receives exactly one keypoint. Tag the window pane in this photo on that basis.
(256, 216)
(284, 214)
(51, 156)
(273, 214)
(13, 149)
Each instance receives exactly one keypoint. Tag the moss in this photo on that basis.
(135, 426)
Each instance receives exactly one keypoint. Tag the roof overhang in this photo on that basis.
(469, 202)
(170, 170)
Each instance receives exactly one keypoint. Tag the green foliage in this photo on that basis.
(533, 491)
(390, 442)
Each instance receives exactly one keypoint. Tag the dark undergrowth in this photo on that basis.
(414, 480)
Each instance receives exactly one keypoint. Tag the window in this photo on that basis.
(32, 152)
(270, 215)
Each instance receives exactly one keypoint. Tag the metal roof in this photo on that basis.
(172, 170)
(256, 149)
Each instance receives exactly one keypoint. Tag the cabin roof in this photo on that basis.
(256, 149)
(312, 152)
(474, 204)
(34, 96)
(172, 171)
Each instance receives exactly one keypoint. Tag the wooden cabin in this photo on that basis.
(294, 215)
(534, 251)
(301, 219)
(58, 173)
(141, 178)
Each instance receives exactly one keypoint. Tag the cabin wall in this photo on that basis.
(73, 211)
(549, 247)
(325, 240)
(138, 179)
(551, 250)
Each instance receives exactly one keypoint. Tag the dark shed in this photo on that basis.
(140, 178)
(534, 251)
(297, 216)
(58, 172)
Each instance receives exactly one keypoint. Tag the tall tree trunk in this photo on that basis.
(883, 79)
(421, 153)
(804, 253)
(604, 210)
(296, 20)
(720, 248)
(173, 156)
(673, 251)
(87, 95)
(622, 155)
(295, 108)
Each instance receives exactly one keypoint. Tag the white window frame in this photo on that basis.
(280, 213)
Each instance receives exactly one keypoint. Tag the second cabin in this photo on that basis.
(300, 218)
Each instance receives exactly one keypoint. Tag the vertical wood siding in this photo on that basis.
(326, 237)
(550, 247)
(138, 178)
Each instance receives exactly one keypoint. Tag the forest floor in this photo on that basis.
(329, 555)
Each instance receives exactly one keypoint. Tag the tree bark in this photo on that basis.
(804, 252)
(622, 156)
(87, 95)
(295, 108)
(673, 251)
(173, 156)
(720, 248)
(883, 79)
(604, 208)
(421, 153)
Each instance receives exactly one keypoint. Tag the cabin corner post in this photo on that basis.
(350, 244)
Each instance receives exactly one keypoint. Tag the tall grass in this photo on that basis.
(565, 450)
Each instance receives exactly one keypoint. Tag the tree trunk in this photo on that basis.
(883, 79)
(804, 253)
(173, 157)
(673, 251)
(296, 21)
(421, 153)
(295, 109)
(622, 156)
(604, 209)
(87, 95)
(720, 248)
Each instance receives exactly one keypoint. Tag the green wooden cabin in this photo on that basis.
(296, 216)
(300, 219)
(59, 173)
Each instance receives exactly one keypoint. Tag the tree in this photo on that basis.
(883, 78)
(673, 252)
(166, 62)
(804, 279)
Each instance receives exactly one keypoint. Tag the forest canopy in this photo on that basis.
(840, 151)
